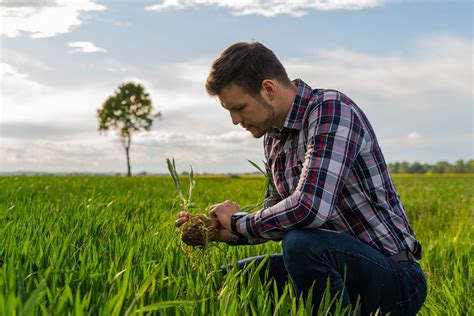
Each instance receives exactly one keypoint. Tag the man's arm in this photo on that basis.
(335, 137)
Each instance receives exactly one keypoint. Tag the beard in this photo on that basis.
(262, 128)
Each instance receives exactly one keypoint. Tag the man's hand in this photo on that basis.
(222, 213)
(220, 234)
(183, 217)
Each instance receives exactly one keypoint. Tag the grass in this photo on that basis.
(107, 245)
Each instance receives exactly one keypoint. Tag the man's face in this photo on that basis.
(254, 114)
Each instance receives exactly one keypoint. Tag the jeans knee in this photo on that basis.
(303, 247)
(296, 254)
(293, 243)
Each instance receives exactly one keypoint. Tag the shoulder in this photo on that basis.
(326, 97)
(329, 105)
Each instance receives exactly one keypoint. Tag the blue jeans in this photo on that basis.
(353, 268)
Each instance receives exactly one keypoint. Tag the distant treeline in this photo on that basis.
(440, 167)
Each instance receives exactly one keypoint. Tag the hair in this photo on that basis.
(246, 65)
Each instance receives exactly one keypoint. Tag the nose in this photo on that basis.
(236, 118)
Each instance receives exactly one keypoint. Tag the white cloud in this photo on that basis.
(414, 136)
(44, 18)
(17, 84)
(85, 47)
(230, 138)
(414, 141)
(413, 82)
(114, 65)
(14, 57)
(419, 105)
(268, 8)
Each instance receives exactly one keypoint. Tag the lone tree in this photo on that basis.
(128, 110)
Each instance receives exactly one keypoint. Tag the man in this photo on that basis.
(333, 203)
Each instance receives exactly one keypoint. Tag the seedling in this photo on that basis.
(198, 230)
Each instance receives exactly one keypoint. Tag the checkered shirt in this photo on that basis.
(328, 172)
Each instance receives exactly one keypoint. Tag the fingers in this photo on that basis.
(202, 217)
(184, 214)
(183, 217)
(213, 214)
(232, 202)
(214, 220)
(219, 204)
(215, 223)
(180, 221)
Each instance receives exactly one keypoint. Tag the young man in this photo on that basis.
(333, 203)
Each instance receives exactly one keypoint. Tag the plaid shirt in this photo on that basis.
(328, 171)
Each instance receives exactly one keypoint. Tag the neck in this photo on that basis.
(284, 105)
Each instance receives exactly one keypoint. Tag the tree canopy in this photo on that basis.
(460, 166)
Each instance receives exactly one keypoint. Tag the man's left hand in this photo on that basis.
(222, 213)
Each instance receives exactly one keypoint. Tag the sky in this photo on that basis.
(407, 64)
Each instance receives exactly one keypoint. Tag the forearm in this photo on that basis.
(240, 241)
(273, 222)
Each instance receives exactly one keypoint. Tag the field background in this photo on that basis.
(107, 245)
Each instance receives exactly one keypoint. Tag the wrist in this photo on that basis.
(235, 221)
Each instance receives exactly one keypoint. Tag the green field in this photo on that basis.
(108, 245)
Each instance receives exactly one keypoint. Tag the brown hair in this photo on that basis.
(246, 65)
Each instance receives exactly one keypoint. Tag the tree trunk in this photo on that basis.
(127, 152)
(129, 173)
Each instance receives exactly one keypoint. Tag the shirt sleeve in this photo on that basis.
(335, 136)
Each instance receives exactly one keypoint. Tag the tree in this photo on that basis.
(404, 167)
(444, 166)
(396, 167)
(128, 110)
(459, 166)
(415, 167)
(470, 166)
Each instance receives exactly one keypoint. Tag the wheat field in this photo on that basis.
(84, 245)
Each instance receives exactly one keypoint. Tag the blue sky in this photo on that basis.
(408, 65)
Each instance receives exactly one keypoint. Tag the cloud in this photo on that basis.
(43, 131)
(14, 57)
(85, 47)
(268, 8)
(113, 65)
(414, 136)
(57, 156)
(401, 92)
(24, 99)
(439, 64)
(419, 102)
(17, 84)
(43, 18)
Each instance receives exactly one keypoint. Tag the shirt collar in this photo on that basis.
(294, 118)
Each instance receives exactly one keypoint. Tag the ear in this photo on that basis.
(269, 88)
